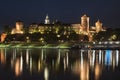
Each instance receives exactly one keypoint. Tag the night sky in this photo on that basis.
(67, 11)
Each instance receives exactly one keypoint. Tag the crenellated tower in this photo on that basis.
(85, 23)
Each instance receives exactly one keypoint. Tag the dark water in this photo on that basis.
(59, 64)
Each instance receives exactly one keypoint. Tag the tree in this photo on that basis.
(7, 29)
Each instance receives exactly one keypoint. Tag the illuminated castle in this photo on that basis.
(82, 28)
(18, 29)
(85, 28)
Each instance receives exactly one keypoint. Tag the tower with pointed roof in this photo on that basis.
(98, 26)
(47, 21)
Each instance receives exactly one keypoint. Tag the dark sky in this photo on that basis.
(67, 11)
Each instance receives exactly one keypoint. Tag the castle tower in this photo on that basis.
(85, 23)
(47, 21)
(19, 25)
(98, 26)
(18, 28)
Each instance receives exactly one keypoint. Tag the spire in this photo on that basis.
(84, 15)
(47, 17)
(47, 21)
(98, 22)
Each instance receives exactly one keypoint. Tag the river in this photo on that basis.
(59, 64)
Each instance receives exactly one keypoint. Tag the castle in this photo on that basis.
(80, 28)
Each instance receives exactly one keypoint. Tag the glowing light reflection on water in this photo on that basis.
(58, 64)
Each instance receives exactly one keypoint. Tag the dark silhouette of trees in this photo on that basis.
(7, 29)
(108, 35)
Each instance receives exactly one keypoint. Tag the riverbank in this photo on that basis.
(35, 45)
(65, 45)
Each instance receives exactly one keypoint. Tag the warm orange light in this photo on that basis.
(97, 71)
(3, 36)
(17, 67)
(2, 56)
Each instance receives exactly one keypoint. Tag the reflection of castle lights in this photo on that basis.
(64, 63)
(100, 56)
(2, 56)
(27, 56)
(108, 57)
(117, 57)
(58, 60)
(30, 64)
(84, 71)
(17, 67)
(82, 65)
(67, 59)
(81, 68)
(42, 54)
(14, 53)
(97, 71)
(39, 65)
(5, 53)
(81, 60)
(93, 57)
(21, 63)
(46, 74)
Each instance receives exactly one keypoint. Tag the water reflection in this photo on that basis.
(18, 65)
(81, 63)
(46, 73)
(3, 56)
